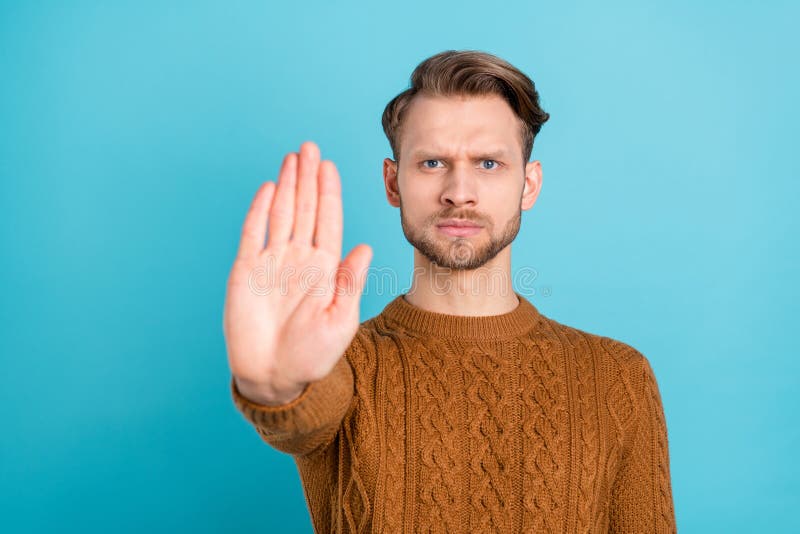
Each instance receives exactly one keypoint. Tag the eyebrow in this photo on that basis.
(432, 154)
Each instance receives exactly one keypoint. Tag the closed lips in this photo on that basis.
(459, 223)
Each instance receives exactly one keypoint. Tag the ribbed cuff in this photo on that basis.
(321, 404)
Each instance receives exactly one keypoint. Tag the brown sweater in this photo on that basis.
(505, 423)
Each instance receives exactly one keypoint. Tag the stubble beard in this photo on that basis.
(458, 253)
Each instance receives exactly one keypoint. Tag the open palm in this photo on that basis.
(292, 306)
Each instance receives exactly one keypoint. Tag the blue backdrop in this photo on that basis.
(134, 134)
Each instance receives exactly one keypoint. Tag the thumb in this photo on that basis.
(351, 278)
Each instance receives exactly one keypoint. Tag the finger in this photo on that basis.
(329, 217)
(254, 229)
(350, 281)
(281, 215)
(306, 200)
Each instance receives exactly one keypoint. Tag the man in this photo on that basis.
(460, 407)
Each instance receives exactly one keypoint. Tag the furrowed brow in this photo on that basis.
(429, 154)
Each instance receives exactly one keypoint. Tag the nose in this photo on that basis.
(459, 188)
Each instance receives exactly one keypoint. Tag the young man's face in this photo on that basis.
(461, 158)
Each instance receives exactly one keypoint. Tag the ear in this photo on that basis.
(390, 182)
(533, 184)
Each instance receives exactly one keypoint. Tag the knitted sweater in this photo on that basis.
(505, 423)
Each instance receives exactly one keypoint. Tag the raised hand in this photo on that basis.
(292, 307)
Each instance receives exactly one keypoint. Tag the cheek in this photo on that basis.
(419, 198)
(500, 211)
(412, 212)
(418, 188)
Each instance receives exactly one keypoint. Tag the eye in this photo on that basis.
(491, 161)
(424, 163)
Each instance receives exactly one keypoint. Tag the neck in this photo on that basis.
(486, 290)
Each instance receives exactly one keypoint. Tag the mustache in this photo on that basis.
(465, 215)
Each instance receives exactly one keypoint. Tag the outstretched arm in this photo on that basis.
(292, 306)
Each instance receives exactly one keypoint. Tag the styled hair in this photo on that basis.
(469, 73)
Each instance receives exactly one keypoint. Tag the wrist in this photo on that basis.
(266, 394)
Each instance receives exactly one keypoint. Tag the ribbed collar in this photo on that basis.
(414, 319)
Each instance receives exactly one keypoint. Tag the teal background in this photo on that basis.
(134, 134)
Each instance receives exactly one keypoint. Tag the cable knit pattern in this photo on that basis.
(506, 423)
(545, 444)
(439, 456)
(357, 501)
(488, 419)
(392, 467)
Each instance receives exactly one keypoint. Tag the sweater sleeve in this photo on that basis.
(310, 421)
(641, 498)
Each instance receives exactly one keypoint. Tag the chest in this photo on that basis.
(485, 441)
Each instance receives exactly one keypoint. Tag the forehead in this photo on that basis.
(455, 125)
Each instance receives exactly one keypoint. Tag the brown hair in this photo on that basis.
(469, 73)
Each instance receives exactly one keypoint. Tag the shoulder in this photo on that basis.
(624, 377)
(369, 340)
(615, 359)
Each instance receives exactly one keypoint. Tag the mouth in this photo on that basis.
(458, 228)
